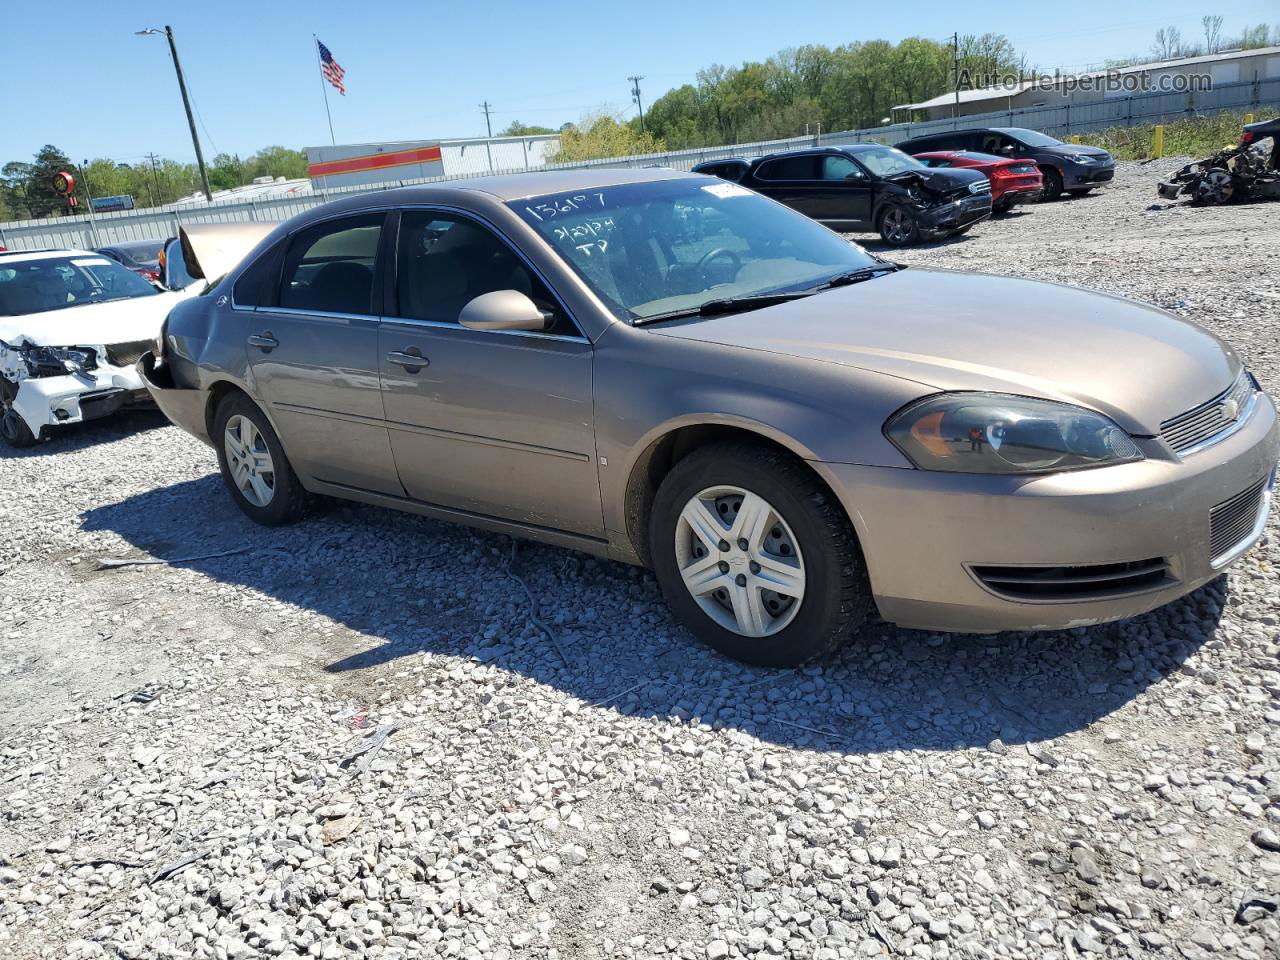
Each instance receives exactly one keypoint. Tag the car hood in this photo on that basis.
(1077, 149)
(941, 179)
(93, 324)
(966, 331)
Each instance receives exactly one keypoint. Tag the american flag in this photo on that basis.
(329, 67)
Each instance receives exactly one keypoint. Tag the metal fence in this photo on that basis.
(1061, 120)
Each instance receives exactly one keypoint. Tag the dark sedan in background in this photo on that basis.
(140, 256)
(1065, 166)
(866, 187)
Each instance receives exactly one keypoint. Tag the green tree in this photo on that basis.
(517, 129)
(603, 135)
(226, 172)
(276, 162)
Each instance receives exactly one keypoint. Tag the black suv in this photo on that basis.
(865, 187)
(1064, 166)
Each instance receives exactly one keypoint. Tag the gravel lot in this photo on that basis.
(178, 768)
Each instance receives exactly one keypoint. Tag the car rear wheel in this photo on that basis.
(756, 557)
(13, 428)
(1051, 183)
(898, 228)
(254, 466)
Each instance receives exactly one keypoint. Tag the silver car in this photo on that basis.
(671, 370)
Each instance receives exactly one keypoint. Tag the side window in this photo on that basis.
(789, 168)
(330, 267)
(444, 261)
(841, 168)
(256, 287)
(934, 161)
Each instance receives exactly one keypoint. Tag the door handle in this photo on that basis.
(264, 341)
(410, 358)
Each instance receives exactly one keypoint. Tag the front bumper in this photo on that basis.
(953, 216)
(923, 532)
(1088, 176)
(184, 406)
(77, 397)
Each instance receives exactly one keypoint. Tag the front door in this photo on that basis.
(497, 423)
(844, 198)
(313, 355)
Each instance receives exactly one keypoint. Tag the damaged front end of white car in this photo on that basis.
(72, 327)
(42, 387)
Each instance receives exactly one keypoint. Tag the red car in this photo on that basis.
(1012, 180)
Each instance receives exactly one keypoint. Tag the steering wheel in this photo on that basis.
(718, 253)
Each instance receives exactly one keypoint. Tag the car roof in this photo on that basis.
(46, 254)
(518, 186)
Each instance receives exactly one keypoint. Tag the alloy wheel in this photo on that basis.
(740, 561)
(249, 461)
(897, 226)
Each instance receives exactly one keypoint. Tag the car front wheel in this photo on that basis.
(756, 557)
(1051, 183)
(13, 428)
(253, 464)
(898, 228)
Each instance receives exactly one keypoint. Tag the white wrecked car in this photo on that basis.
(72, 326)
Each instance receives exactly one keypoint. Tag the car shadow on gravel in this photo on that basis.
(407, 586)
(81, 435)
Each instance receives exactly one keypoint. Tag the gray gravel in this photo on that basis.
(351, 739)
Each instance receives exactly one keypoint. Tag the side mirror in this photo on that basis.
(504, 310)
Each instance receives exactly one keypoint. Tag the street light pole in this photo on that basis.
(186, 103)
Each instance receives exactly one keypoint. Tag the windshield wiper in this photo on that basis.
(711, 308)
(857, 276)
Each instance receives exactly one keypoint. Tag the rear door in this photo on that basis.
(312, 350)
(495, 423)
(795, 181)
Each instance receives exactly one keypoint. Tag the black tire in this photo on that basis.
(837, 595)
(13, 428)
(1081, 191)
(289, 501)
(886, 223)
(1051, 186)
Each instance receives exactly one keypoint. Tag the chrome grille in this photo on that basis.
(1191, 429)
(1091, 581)
(1232, 520)
(127, 354)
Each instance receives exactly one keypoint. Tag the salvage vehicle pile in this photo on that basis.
(376, 735)
(1249, 170)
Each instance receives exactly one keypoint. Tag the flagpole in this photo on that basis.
(324, 90)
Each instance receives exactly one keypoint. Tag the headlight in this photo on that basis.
(57, 361)
(1085, 158)
(998, 433)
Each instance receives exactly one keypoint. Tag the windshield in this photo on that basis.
(175, 266)
(886, 161)
(144, 253)
(653, 248)
(38, 286)
(1031, 138)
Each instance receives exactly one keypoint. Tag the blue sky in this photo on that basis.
(76, 76)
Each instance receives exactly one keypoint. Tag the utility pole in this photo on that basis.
(155, 178)
(635, 95)
(186, 102)
(488, 126)
(88, 195)
(955, 49)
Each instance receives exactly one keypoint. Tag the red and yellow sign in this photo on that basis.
(375, 161)
(64, 184)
